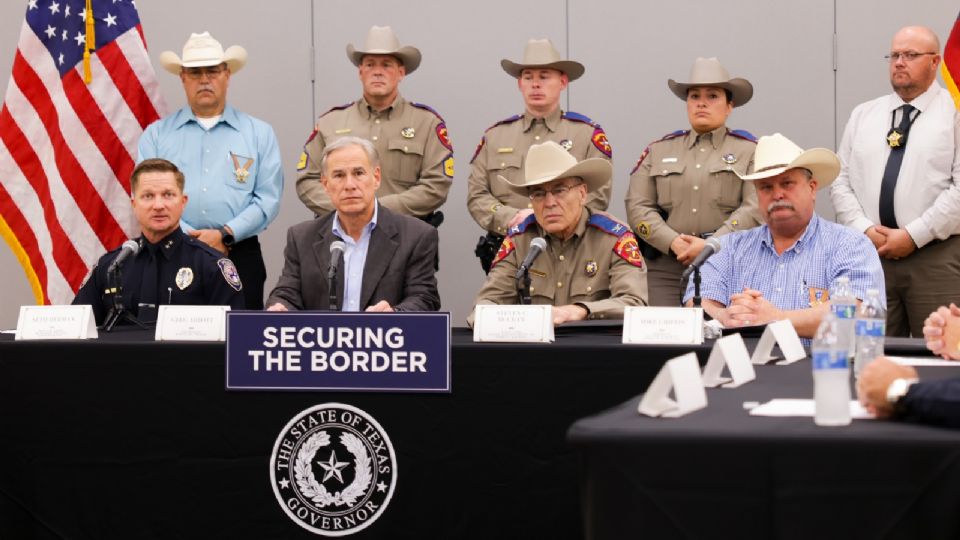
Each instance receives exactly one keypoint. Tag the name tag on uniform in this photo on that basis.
(513, 324)
(668, 160)
(191, 323)
(56, 322)
(663, 325)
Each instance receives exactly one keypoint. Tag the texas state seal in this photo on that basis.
(333, 469)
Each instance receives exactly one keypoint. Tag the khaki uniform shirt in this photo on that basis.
(692, 179)
(493, 202)
(416, 156)
(599, 267)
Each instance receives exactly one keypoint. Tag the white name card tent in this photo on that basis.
(779, 333)
(56, 322)
(730, 352)
(191, 323)
(663, 325)
(682, 376)
(513, 324)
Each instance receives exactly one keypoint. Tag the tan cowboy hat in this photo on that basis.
(382, 40)
(776, 154)
(548, 161)
(540, 53)
(202, 50)
(709, 72)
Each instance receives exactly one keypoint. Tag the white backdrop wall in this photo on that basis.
(810, 62)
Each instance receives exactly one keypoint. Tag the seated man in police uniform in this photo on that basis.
(784, 269)
(169, 267)
(592, 267)
(388, 258)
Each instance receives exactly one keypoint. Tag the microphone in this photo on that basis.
(537, 245)
(712, 246)
(127, 250)
(336, 253)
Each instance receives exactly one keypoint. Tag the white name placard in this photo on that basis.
(56, 322)
(517, 323)
(730, 352)
(681, 375)
(779, 333)
(663, 325)
(191, 323)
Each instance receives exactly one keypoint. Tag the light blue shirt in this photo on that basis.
(218, 194)
(354, 259)
(805, 270)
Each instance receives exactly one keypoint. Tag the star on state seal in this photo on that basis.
(333, 469)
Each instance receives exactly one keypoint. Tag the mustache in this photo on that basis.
(779, 204)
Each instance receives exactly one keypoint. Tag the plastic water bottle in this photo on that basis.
(843, 303)
(871, 325)
(831, 375)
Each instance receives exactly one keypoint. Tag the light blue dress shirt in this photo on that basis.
(825, 252)
(354, 259)
(218, 196)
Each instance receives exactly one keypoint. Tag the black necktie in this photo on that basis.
(887, 215)
(148, 283)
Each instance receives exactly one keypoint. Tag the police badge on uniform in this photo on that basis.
(184, 277)
(567, 144)
(408, 133)
(333, 469)
(242, 172)
(591, 268)
(230, 273)
(729, 159)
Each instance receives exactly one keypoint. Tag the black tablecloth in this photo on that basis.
(126, 438)
(720, 473)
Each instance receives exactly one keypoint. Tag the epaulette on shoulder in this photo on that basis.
(608, 224)
(646, 151)
(428, 108)
(577, 117)
(522, 226)
(510, 120)
(337, 108)
(742, 134)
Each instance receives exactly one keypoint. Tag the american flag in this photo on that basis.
(66, 147)
(950, 68)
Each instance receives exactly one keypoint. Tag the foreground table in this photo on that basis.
(127, 438)
(720, 473)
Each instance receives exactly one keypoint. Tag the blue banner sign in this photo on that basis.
(305, 350)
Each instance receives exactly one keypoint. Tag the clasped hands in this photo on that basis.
(748, 308)
(686, 248)
(891, 243)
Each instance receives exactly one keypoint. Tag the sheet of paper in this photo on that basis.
(924, 361)
(802, 407)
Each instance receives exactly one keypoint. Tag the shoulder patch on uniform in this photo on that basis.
(599, 139)
(337, 108)
(506, 248)
(443, 136)
(608, 224)
(230, 274)
(667, 137)
(577, 117)
(522, 226)
(627, 249)
(742, 134)
(428, 108)
(483, 140)
(510, 120)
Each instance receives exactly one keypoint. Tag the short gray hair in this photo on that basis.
(372, 155)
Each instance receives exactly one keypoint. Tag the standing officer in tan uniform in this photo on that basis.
(411, 138)
(685, 187)
(592, 267)
(496, 205)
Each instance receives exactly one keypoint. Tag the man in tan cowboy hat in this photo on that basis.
(784, 269)
(411, 138)
(591, 267)
(541, 77)
(898, 183)
(231, 160)
(685, 186)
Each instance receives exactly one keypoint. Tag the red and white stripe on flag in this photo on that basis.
(67, 148)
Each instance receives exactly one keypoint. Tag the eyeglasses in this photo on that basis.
(197, 73)
(539, 195)
(909, 56)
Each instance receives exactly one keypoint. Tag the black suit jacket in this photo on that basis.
(399, 266)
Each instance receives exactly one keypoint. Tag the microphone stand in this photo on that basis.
(696, 287)
(523, 287)
(332, 286)
(118, 313)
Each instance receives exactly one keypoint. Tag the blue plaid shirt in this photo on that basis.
(801, 275)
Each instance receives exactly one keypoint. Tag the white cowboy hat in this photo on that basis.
(382, 40)
(202, 50)
(549, 161)
(540, 53)
(709, 72)
(776, 154)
